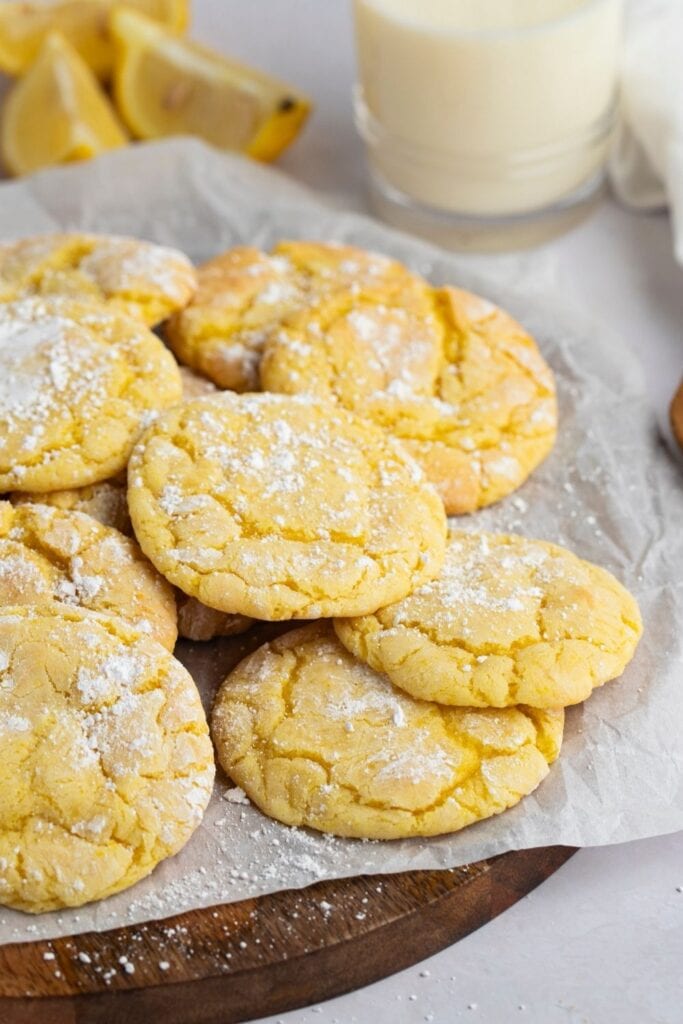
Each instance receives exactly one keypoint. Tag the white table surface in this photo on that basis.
(602, 940)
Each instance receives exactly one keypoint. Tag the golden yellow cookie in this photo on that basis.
(478, 426)
(198, 622)
(106, 765)
(146, 281)
(77, 383)
(105, 501)
(279, 508)
(47, 554)
(245, 294)
(508, 621)
(316, 738)
(108, 503)
(195, 620)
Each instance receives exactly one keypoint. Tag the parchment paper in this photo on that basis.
(609, 491)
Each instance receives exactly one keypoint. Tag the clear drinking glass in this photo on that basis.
(487, 122)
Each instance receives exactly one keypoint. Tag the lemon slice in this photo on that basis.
(165, 85)
(23, 27)
(57, 112)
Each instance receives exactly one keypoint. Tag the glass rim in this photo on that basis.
(548, 25)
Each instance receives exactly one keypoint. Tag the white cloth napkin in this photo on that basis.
(646, 167)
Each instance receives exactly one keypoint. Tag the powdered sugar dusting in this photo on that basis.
(31, 356)
(414, 765)
(402, 348)
(371, 695)
(62, 366)
(480, 575)
(48, 553)
(126, 265)
(298, 499)
(126, 726)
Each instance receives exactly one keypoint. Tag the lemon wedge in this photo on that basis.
(57, 112)
(23, 27)
(166, 85)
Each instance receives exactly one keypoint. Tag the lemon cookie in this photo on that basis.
(130, 276)
(195, 620)
(316, 738)
(278, 507)
(487, 419)
(47, 554)
(245, 294)
(105, 501)
(198, 622)
(77, 383)
(106, 765)
(508, 621)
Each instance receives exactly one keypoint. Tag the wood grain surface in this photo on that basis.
(245, 960)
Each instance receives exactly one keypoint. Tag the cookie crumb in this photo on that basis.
(236, 796)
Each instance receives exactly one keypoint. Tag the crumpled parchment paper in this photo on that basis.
(609, 491)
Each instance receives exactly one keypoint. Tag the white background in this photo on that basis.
(602, 940)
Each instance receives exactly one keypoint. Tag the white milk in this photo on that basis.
(487, 107)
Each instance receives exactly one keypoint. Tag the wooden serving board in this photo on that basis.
(240, 961)
(244, 960)
(676, 413)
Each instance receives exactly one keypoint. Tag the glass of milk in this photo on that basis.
(487, 122)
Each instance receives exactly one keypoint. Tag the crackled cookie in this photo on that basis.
(130, 276)
(486, 421)
(198, 622)
(508, 621)
(244, 294)
(47, 554)
(317, 738)
(106, 765)
(279, 508)
(105, 501)
(77, 383)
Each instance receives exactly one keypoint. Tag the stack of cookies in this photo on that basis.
(331, 411)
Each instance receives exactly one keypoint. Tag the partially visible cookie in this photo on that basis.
(48, 554)
(195, 385)
(105, 501)
(479, 421)
(495, 415)
(240, 294)
(129, 275)
(244, 295)
(316, 738)
(106, 765)
(278, 508)
(198, 622)
(374, 358)
(77, 384)
(508, 621)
